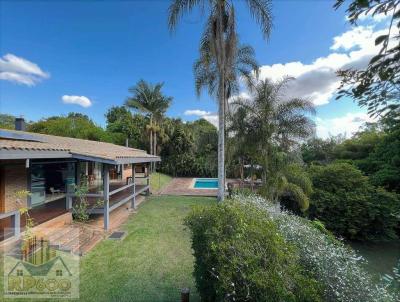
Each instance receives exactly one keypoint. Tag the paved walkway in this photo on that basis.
(184, 186)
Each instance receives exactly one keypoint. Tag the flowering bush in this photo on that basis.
(329, 261)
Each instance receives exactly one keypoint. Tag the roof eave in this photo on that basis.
(136, 160)
(117, 161)
(37, 154)
(25, 154)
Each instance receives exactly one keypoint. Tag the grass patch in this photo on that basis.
(158, 181)
(152, 263)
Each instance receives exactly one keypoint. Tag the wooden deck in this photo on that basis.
(118, 217)
(45, 212)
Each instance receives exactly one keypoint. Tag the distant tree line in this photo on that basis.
(186, 148)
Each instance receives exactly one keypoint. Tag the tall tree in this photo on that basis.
(7, 121)
(124, 125)
(277, 124)
(75, 125)
(149, 99)
(241, 145)
(221, 39)
(376, 87)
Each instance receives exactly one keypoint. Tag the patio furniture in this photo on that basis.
(54, 191)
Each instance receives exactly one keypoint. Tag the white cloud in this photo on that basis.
(78, 100)
(347, 124)
(355, 37)
(207, 115)
(317, 81)
(242, 95)
(213, 119)
(374, 18)
(196, 112)
(19, 70)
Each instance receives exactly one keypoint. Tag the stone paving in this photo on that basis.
(184, 186)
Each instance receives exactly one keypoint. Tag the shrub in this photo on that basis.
(350, 206)
(240, 256)
(337, 267)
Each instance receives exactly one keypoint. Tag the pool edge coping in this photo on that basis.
(192, 183)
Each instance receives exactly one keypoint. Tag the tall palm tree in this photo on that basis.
(242, 144)
(149, 99)
(243, 66)
(221, 39)
(277, 123)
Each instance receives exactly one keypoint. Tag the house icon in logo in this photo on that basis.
(56, 267)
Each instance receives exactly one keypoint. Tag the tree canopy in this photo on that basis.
(377, 87)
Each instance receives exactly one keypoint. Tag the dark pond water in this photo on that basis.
(381, 257)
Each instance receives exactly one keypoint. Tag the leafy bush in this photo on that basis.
(334, 265)
(350, 206)
(188, 164)
(240, 256)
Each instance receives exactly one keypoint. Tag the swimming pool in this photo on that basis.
(205, 183)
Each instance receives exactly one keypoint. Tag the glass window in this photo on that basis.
(51, 181)
(91, 173)
(116, 173)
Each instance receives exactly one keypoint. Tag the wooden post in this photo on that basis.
(68, 200)
(17, 224)
(106, 196)
(148, 179)
(133, 205)
(77, 173)
(185, 293)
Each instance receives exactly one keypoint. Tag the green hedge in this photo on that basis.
(240, 256)
(349, 206)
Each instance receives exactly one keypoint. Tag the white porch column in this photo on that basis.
(68, 200)
(17, 224)
(148, 178)
(106, 195)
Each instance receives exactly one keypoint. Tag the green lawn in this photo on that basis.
(152, 263)
(158, 181)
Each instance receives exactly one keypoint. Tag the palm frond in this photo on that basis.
(298, 194)
(148, 98)
(261, 11)
(178, 8)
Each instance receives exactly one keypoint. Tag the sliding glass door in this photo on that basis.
(51, 181)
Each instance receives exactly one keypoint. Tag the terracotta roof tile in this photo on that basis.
(73, 145)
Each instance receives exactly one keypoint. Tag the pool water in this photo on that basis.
(206, 183)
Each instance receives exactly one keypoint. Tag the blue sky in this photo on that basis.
(97, 50)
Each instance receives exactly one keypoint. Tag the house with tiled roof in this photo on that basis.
(51, 168)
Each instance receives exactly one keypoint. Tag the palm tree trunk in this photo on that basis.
(151, 137)
(151, 144)
(221, 103)
(221, 147)
(251, 177)
(241, 168)
(155, 149)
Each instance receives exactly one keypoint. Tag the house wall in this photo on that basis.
(127, 170)
(13, 179)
